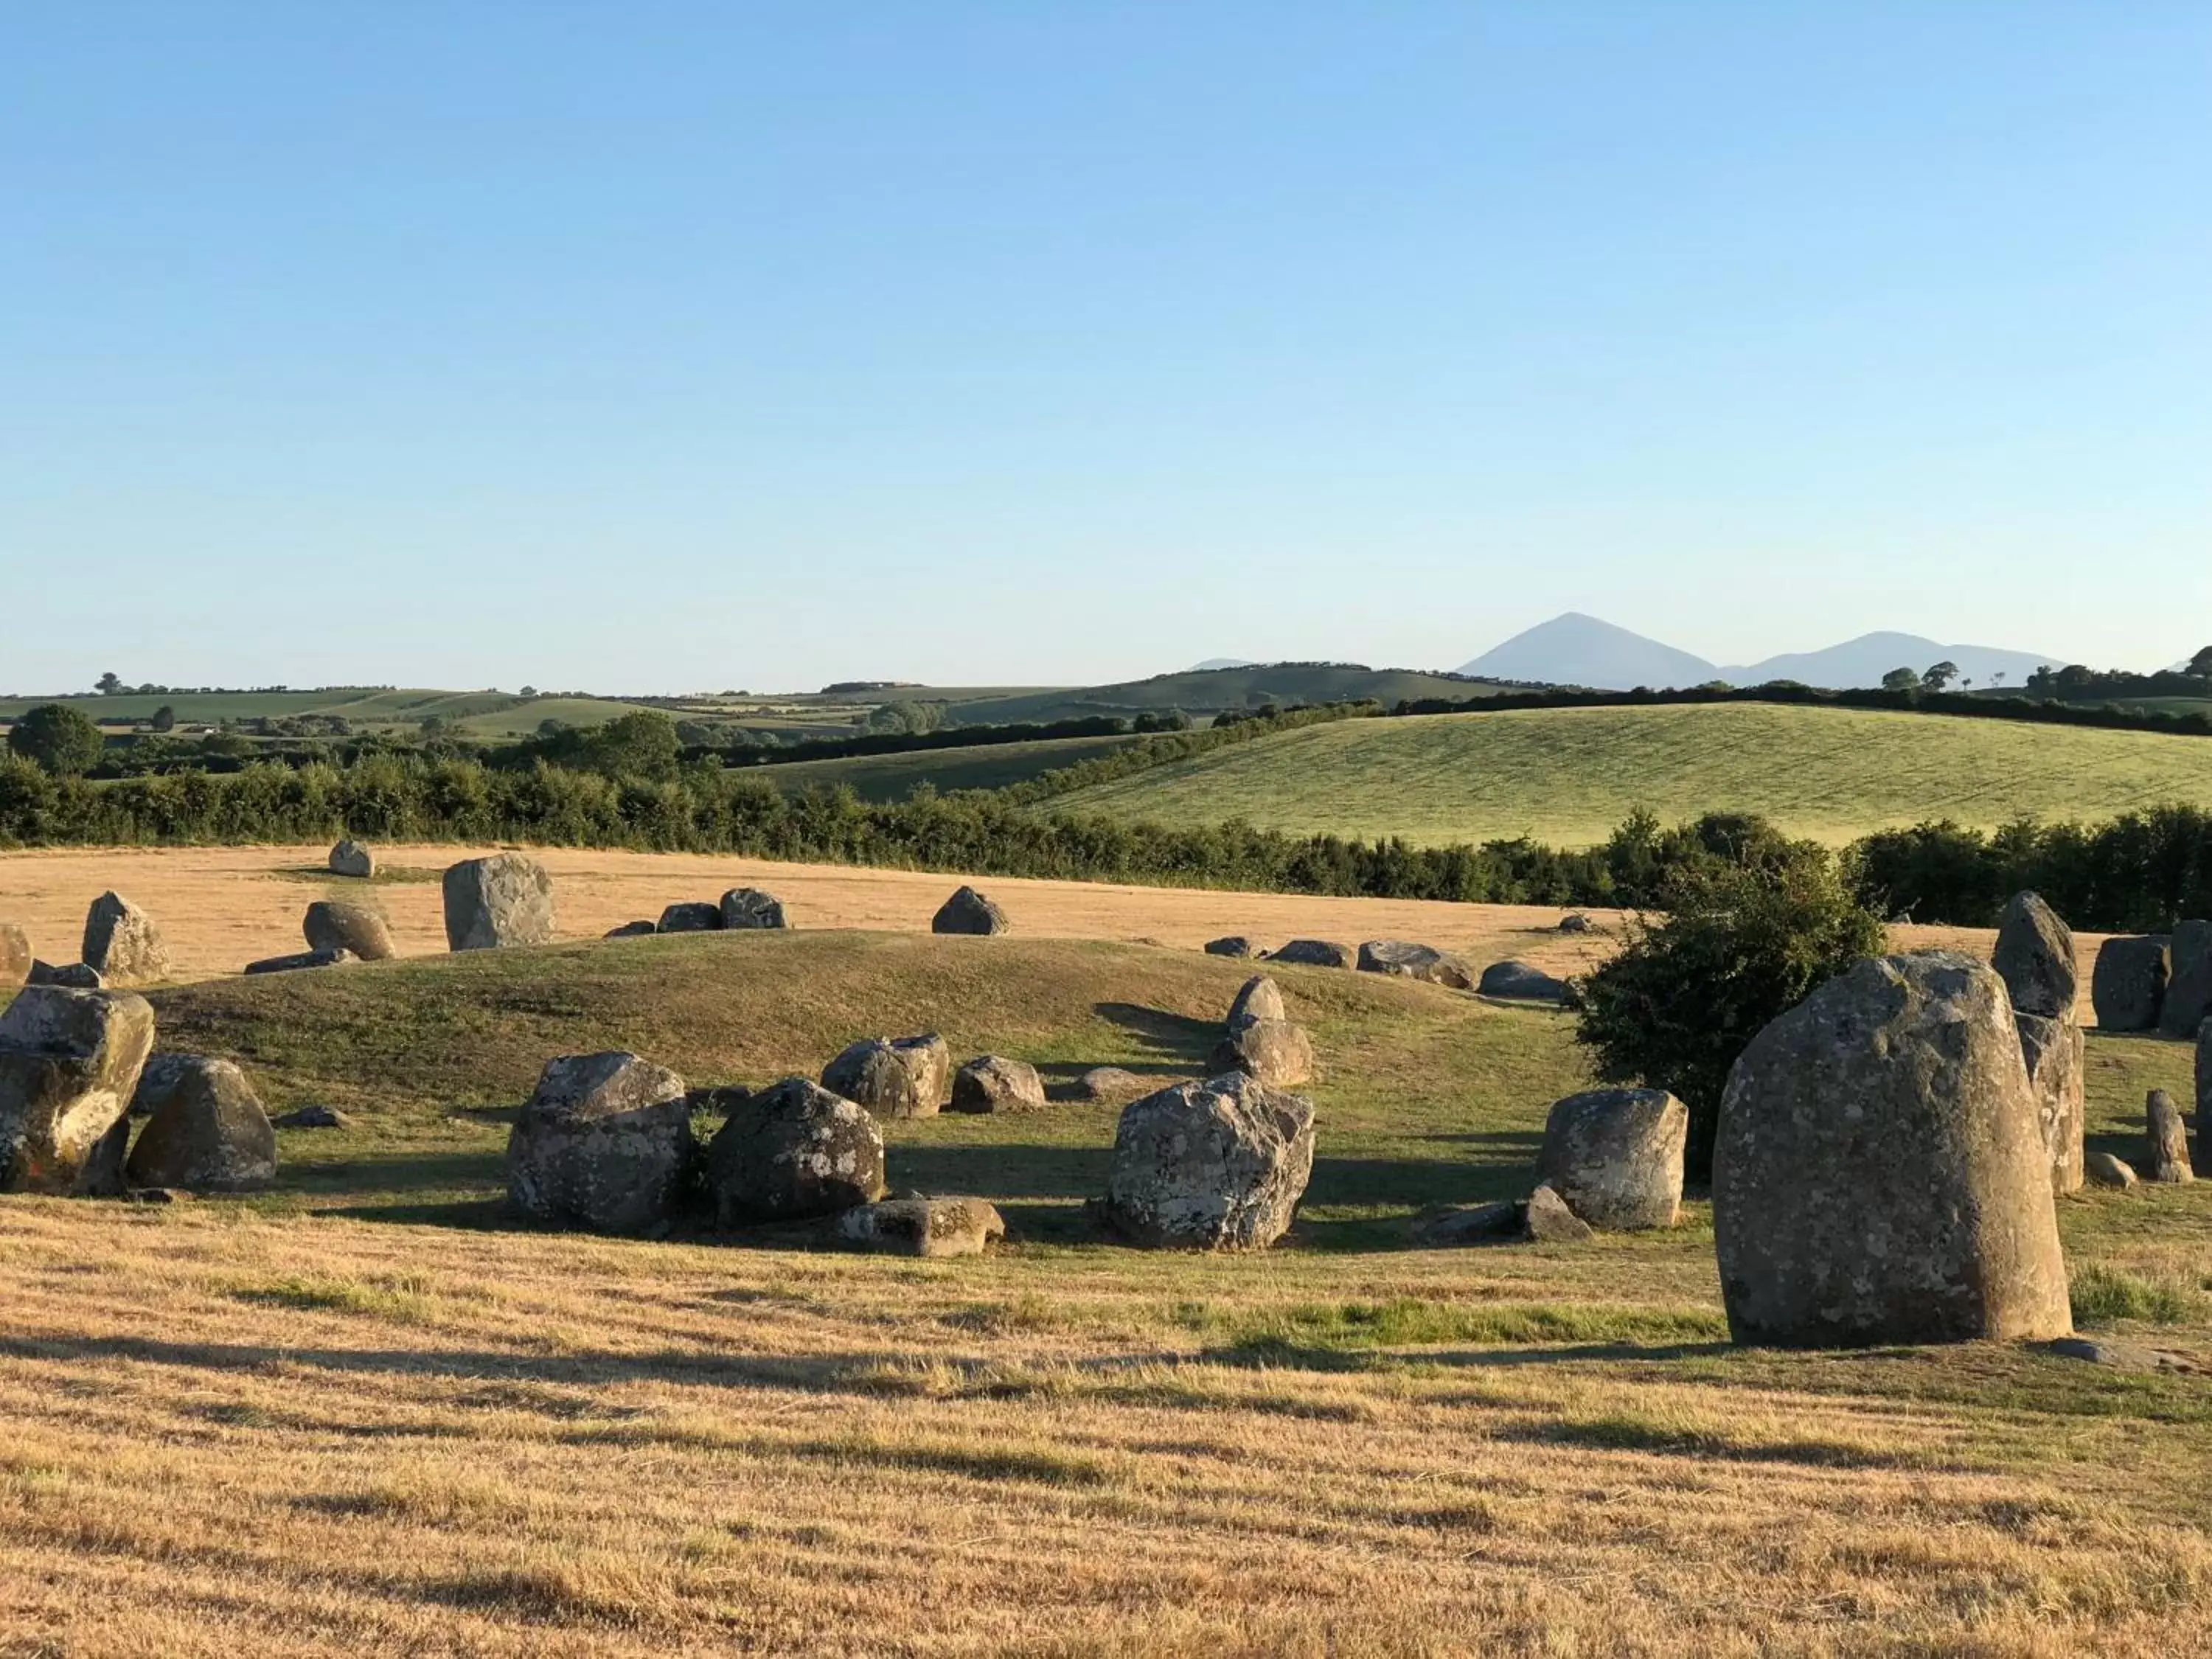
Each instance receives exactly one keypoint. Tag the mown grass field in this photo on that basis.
(982, 766)
(1568, 776)
(364, 1415)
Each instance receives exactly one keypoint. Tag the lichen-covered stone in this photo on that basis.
(1315, 953)
(361, 930)
(749, 908)
(2204, 1080)
(2127, 986)
(1575, 922)
(894, 1077)
(1520, 982)
(300, 959)
(923, 1226)
(1404, 960)
(1615, 1155)
(1231, 944)
(494, 903)
(206, 1132)
(2056, 1061)
(2034, 957)
(1550, 1219)
(2188, 1001)
(791, 1151)
(350, 858)
(2107, 1170)
(993, 1083)
(2166, 1144)
(69, 976)
(1880, 1174)
(1216, 1164)
(1259, 998)
(1275, 1051)
(969, 912)
(692, 916)
(122, 944)
(1108, 1083)
(16, 959)
(69, 1062)
(604, 1143)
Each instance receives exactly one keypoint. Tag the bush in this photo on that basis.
(62, 739)
(1743, 944)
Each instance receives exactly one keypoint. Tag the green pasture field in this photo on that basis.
(983, 766)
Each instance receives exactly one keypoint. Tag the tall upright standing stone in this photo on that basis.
(2034, 957)
(2056, 1056)
(2204, 1080)
(69, 1062)
(2188, 991)
(1879, 1174)
(122, 944)
(2167, 1142)
(503, 900)
(2127, 985)
(16, 959)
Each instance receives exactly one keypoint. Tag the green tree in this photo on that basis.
(1900, 679)
(62, 739)
(110, 684)
(639, 745)
(1740, 946)
(165, 719)
(1939, 675)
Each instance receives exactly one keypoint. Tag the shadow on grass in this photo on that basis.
(1178, 1042)
(1279, 1353)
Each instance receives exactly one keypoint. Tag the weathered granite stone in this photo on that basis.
(16, 959)
(749, 907)
(69, 1065)
(1615, 1155)
(1552, 1220)
(1521, 982)
(300, 959)
(1880, 1174)
(1216, 1164)
(791, 1151)
(1575, 922)
(604, 1143)
(2105, 1170)
(1315, 953)
(923, 1226)
(1404, 960)
(2127, 986)
(2034, 957)
(313, 1117)
(2188, 1002)
(1275, 1051)
(894, 1077)
(69, 977)
(122, 944)
(634, 929)
(690, 917)
(1231, 944)
(494, 903)
(2166, 1143)
(2204, 1080)
(1107, 1083)
(350, 858)
(337, 924)
(969, 912)
(2058, 1066)
(206, 1133)
(1259, 998)
(993, 1083)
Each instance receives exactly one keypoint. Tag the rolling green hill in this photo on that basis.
(983, 765)
(1209, 691)
(1566, 776)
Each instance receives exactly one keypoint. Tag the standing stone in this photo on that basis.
(1575, 922)
(1550, 1219)
(337, 924)
(1615, 1155)
(1231, 944)
(690, 917)
(1879, 1174)
(1520, 982)
(69, 977)
(2058, 1069)
(993, 1083)
(2188, 992)
(604, 1143)
(492, 903)
(2105, 1170)
(2166, 1144)
(16, 959)
(1425, 962)
(924, 1226)
(2034, 957)
(791, 1151)
(1259, 999)
(969, 912)
(1107, 1083)
(122, 944)
(206, 1133)
(894, 1077)
(350, 858)
(748, 907)
(1315, 953)
(69, 1065)
(1274, 1051)
(2204, 1080)
(2127, 987)
(1213, 1166)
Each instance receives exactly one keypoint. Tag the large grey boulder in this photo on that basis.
(2166, 1143)
(2107, 1170)
(1315, 953)
(1520, 982)
(497, 901)
(923, 1226)
(358, 929)
(2034, 957)
(1879, 1174)
(894, 1077)
(2127, 986)
(1615, 1155)
(749, 907)
(69, 977)
(993, 1083)
(300, 959)
(2057, 1072)
(969, 912)
(350, 858)
(206, 1132)
(2204, 1080)
(1232, 944)
(692, 916)
(1404, 960)
(1107, 1083)
(16, 959)
(1275, 1051)
(1212, 1165)
(1259, 998)
(122, 944)
(791, 1151)
(2188, 1002)
(69, 1065)
(1550, 1219)
(604, 1143)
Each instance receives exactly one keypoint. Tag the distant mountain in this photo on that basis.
(1212, 663)
(1864, 660)
(1578, 650)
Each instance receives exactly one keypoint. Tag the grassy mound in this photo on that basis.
(982, 766)
(1567, 776)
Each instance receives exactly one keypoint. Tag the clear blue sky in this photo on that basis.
(671, 346)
